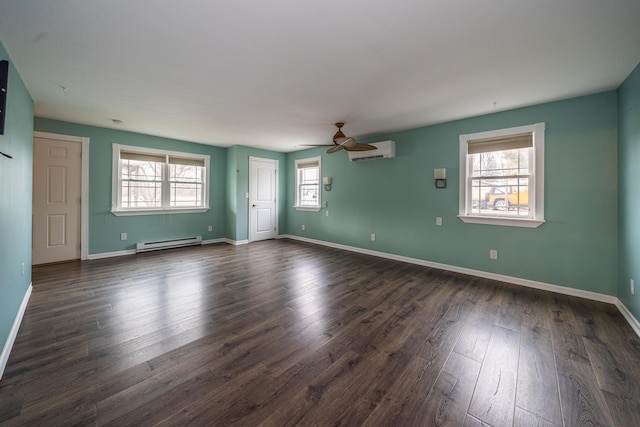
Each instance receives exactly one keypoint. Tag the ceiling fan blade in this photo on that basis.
(317, 145)
(361, 147)
(347, 141)
(334, 149)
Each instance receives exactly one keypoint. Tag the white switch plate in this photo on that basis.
(123, 236)
(211, 228)
(438, 220)
(302, 227)
(326, 213)
(633, 287)
(373, 237)
(493, 254)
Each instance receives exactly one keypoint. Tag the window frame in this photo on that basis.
(536, 182)
(116, 186)
(297, 184)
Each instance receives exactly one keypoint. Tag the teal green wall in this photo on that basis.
(238, 186)
(105, 228)
(232, 192)
(15, 199)
(396, 199)
(629, 184)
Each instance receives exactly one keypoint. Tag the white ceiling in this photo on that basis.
(277, 74)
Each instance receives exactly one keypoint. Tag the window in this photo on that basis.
(308, 184)
(502, 177)
(148, 181)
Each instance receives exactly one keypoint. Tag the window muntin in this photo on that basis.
(157, 181)
(308, 192)
(502, 176)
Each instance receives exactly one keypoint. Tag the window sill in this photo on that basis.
(134, 212)
(308, 208)
(506, 222)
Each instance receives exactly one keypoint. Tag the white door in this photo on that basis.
(263, 188)
(57, 172)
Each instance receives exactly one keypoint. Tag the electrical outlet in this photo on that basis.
(211, 228)
(302, 227)
(326, 204)
(438, 220)
(493, 254)
(633, 287)
(22, 269)
(373, 237)
(326, 213)
(123, 236)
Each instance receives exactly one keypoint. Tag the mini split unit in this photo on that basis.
(386, 150)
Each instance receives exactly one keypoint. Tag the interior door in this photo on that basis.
(57, 179)
(263, 187)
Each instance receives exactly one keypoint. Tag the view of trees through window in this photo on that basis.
(186, 185)
(142, 184)
(500, 182)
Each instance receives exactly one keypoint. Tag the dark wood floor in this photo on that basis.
(281, 333)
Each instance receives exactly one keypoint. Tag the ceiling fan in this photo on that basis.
(342, 142)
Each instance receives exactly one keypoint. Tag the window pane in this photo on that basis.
(141, 170)
(140, 194)
(309, 195)
(501, 163)
(500, 197)
(141, 184)
(308, 186)
(186, 185)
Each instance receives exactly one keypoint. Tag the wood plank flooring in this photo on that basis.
(280, 333)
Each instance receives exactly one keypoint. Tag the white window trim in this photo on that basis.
(309, 208)
(116, 188)
(538, 184)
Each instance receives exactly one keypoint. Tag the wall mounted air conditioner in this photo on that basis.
(386, 150)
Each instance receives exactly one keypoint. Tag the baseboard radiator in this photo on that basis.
(168, 244)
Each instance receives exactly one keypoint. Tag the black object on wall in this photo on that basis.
(4, 77)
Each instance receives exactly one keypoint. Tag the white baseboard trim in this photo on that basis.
(499, 277)
(111, 254)
(629, 317)
(13, 333)
(213, 241)
(236, 242)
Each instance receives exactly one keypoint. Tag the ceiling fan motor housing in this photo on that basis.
(338, 134)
